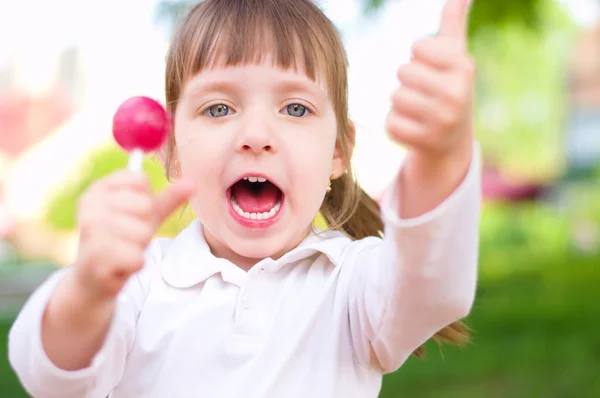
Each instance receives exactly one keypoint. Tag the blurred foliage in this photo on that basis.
(484, 13)
(489, 14)
(521, 99)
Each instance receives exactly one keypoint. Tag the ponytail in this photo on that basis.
(349, 209)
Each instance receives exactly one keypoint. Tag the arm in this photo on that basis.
(88, 342)
(74, 330)
(420, 279)
(72, 337)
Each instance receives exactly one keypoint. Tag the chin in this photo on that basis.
(258, 248)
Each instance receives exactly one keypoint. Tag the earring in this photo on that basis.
(330, 178)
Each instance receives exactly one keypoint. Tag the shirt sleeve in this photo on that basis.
(419, 279)
(36, 372)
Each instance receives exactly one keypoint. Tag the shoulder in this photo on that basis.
(339, 247)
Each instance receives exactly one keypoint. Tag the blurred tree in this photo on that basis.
(489, 13)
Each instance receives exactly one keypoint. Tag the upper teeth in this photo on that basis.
(255, 179)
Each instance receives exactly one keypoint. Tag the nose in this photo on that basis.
(256, 136)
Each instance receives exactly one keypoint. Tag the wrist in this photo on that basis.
(74, 301)
(448, 168)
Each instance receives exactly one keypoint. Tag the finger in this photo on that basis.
(127, 178)
(132, 229)
(455, 18)
(448, 89)
(438, 52)
(413, 104)
(405, 130)
(420, 77)
(410, 133)
(131, 202)
(171, 198)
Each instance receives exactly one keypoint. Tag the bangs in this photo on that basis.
(290, 34)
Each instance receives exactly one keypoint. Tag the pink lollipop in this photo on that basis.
(140, 125)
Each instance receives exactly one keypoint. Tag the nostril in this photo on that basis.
(265, 148)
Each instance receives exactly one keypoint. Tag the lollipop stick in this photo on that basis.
(136, 160)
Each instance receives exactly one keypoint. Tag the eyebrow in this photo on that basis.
(290, 85)
(201, 88)
(229, 86)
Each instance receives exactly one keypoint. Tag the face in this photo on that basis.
(260, 145)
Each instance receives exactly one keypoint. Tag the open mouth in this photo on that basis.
(255, 199)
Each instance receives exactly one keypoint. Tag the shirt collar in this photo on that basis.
(188, 260)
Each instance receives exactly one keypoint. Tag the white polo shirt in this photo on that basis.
(328, 319)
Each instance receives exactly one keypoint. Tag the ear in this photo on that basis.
(345, 145)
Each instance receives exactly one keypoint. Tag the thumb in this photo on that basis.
(171, 198)
(455, 17)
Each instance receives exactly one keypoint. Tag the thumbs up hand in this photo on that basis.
(432, 110)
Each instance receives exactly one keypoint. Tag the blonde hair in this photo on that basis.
(296, 33)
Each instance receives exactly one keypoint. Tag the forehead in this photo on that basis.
(266, 62)
(256, 77)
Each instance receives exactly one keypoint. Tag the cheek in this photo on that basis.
(199, 159)
(313, 164)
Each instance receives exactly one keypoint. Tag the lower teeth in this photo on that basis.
(255, 216)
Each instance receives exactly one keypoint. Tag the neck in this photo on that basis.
(220, 249)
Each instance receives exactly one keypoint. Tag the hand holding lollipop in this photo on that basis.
(119, 215)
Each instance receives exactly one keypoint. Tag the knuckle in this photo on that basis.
(145, 205)
(421, 44)
(404, 71)
(138, 180)
(399, 98)
(146, 233)
(141, 182)
(456, 97)
(134, 260)
(447, 119)
(391, 124)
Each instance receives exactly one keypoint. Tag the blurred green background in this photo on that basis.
(536, 320)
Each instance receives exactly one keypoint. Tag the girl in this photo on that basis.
(250, 300)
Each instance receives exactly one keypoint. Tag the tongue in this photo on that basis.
(259, 201)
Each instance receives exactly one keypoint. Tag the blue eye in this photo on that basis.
(219, 110)
(296, 110)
